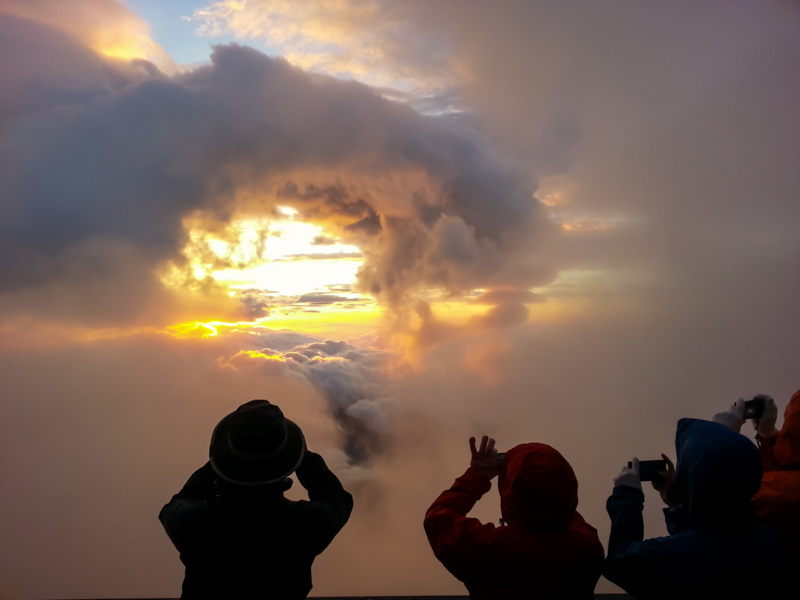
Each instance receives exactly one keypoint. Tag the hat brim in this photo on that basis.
(244, 471)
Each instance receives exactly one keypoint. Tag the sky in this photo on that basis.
(404, 223)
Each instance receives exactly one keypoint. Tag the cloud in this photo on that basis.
(348, 377)
(320, 256)
(322, 240)
(322, 298)
(135, 156)
(256, 306)
(105, 26)
(358, 39)
(502, 296)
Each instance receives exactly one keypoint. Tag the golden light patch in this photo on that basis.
(555, 190)
(122, 49)
(587, 226)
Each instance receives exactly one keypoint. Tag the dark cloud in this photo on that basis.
(256, 305)
(322, 240)
(369, 225)
(322, 298)
(319, 256)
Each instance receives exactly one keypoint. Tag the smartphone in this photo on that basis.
(754, 409)
(501, 456)
(648, 469)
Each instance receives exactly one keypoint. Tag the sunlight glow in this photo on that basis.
(295, 258)
(285, 257)
(290, 274)
(292, 278)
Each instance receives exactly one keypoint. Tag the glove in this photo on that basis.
(765, 426)
(733, 418)
(629, 476)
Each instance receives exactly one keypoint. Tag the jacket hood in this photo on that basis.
(718, 471)
(787, 445)
(538, 488)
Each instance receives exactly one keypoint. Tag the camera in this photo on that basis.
(754, 409)
(648, 469)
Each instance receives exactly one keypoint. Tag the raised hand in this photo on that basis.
(665, 484)
(629, 475)
(733, 418)
(765, 426)
(484, 459)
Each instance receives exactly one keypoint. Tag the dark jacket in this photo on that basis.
(778, 500)
(251, 542)
(546, 550)
(715, 549)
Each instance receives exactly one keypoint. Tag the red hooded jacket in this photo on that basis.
(546, 550)
(778, 500)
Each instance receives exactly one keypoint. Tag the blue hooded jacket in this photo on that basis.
(715, 549)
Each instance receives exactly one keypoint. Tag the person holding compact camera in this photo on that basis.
(714, 549)
(237, 535)
(777, 502)
(543, 548)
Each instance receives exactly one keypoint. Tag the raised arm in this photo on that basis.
(329, 504)
(189, 505)
(458, 541)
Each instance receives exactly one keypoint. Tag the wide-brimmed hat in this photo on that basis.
(256, 445)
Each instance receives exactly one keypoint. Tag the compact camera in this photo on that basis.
(754, 409)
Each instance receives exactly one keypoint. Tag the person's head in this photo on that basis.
(538, 488)
(256, 445)
(718, 471)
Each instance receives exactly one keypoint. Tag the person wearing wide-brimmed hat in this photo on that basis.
(238, 537)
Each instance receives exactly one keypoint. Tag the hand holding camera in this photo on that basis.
(664, 482)
(629, 475)
(485, 458)
(733, 418)
(763, 416)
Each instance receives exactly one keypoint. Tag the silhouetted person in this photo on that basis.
(778, 499)
(237, 535)
(715, 548)
(545, 550)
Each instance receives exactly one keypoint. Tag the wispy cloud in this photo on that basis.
(361, 39)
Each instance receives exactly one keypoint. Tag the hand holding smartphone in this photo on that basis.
(649, 469)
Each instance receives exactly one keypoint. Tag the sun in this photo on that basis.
(287, 271)
(296, 259)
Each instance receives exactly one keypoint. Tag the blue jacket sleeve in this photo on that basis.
(629, 563)
(625, 507)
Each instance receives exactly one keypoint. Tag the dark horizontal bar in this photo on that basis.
(597, 597)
